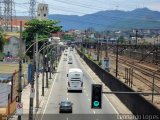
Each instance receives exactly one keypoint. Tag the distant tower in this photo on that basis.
(9, 13)
(42, 11)
(32, 9)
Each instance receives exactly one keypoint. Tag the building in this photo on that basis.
(14, 25)
(11, 47)
(42, 11)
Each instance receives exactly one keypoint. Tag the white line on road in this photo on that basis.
(49, 97)
(67, 98)
(67, 118)
(104, 95)
(50, 92)
(94, 112)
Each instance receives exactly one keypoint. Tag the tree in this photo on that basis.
(68, 37)
(2, 41)
(42, 27)
(121, 40)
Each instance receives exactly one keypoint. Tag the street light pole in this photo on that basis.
(117, 59)
(20, 69)
(32, 86)
(136, 37)
(43, 74)
(37, 82)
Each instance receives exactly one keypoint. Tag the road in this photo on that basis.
(81, 101)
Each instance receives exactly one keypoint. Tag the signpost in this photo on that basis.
(32, 93)
(19, 108)
(105, 64)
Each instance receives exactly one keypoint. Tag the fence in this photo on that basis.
(134, 102)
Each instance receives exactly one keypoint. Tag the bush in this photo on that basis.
(100, 63)
(1, 56)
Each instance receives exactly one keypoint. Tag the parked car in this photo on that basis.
(65, 106)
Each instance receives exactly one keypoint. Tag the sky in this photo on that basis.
(82, 7)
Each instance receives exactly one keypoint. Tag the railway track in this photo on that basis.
(143, 70)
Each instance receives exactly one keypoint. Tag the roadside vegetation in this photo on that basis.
(43, 28)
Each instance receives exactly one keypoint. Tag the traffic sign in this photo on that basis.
(19, 108)
(32, 92)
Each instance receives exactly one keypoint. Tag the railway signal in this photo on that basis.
(96, 98)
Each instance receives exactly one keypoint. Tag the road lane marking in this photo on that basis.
(49, 97)
(50, 92)
(103, 94)
(67, 118)
(67, 93)
(94, 112)
(67, 98)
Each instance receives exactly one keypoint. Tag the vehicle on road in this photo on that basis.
(75, 79)
(65, 106)
(64, 59)
(70, 60)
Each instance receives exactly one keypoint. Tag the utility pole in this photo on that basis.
(20, 69)
(46, 61)
(32, 86)
(98, 51)
(43, 74)
(37, 82)
(117, 59)
(136, 37)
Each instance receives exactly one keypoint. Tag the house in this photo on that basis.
(14, 25)
(11, 48)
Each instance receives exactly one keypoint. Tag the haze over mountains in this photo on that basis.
(111, 19)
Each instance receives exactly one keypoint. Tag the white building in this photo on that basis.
(42, 11)
(11, 48)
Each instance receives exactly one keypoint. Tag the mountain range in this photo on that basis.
(142, 18)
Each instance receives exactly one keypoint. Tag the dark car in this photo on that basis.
(65, 106)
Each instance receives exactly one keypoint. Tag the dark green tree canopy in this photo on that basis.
(42, 27)
(2, 41)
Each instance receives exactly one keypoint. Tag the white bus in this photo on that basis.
(75, 79)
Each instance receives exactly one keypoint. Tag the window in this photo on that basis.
(44, 15)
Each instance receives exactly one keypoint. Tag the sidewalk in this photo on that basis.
(26, 98)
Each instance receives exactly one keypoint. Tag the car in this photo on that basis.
(64, 59)
(69, 61)
(65, 106)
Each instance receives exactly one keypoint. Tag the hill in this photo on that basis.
(111, 19)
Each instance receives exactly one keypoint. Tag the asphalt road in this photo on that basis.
(81, 101)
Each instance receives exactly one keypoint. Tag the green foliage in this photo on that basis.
(42, 27)
(2, 41)
(1, 56)
(100, 63)
(88, 56)
(68, 37)
(81, 48)
(121, 40)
